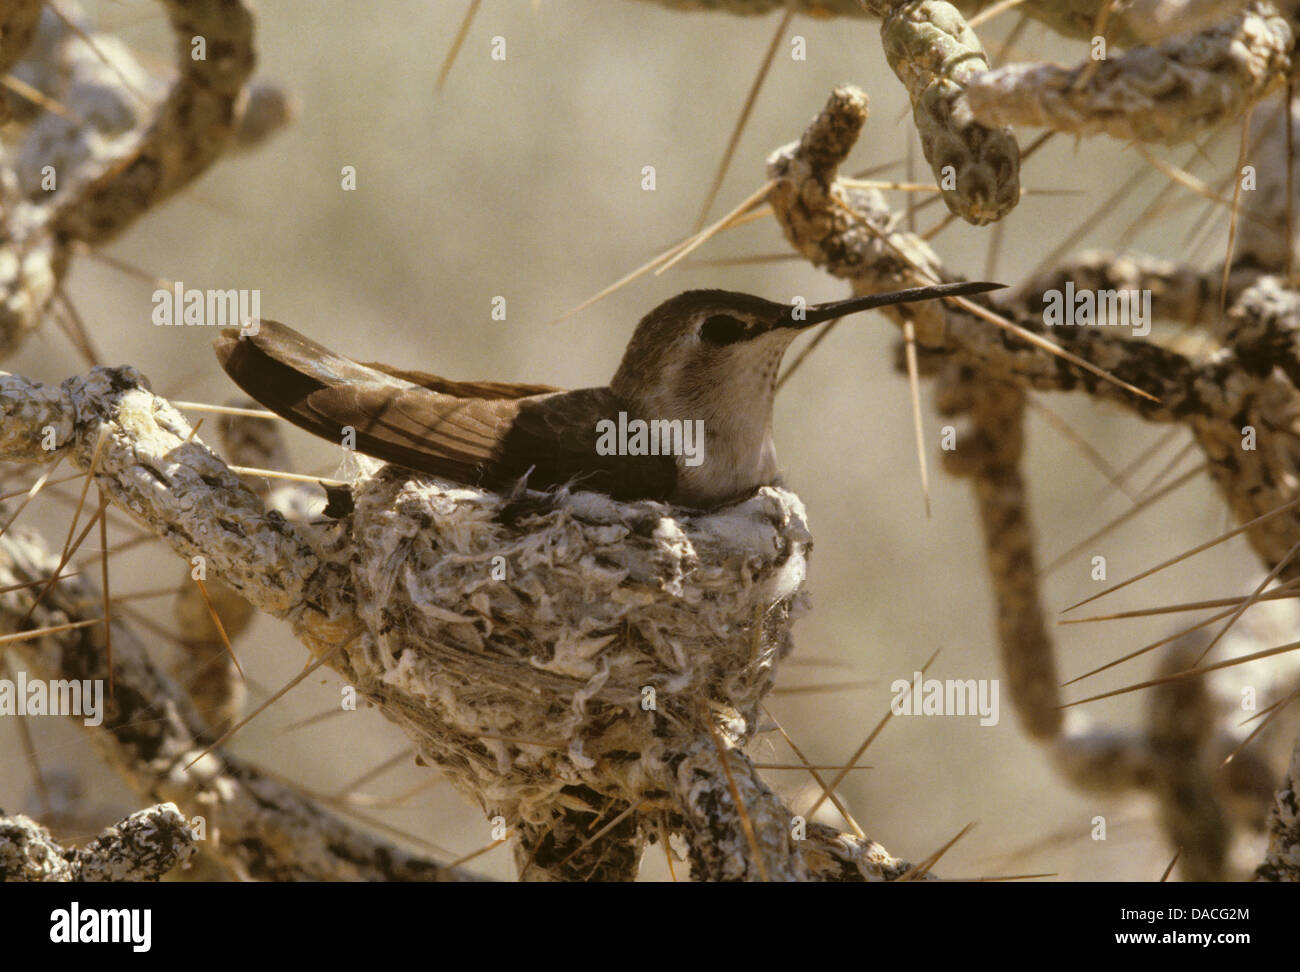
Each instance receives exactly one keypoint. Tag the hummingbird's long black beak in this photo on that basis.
(817, 313)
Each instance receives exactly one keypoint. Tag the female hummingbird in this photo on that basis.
(687, 417)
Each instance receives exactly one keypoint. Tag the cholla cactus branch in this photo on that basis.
(255, 825)
(989, 452)
(86, 175)
(190, 130)
(827, 222)
(149, 468)
(1178, 293)
(936, 55)
(1282, 862)
(728, 845)
(206, 667)
(1166, 93)
(845, 229)
(1262, 242)
(1180, 726)
(1168, 88)
(985, 375)
(1131, 21)
(143, 847)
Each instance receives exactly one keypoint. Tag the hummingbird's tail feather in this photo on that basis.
(297, 352)
(456, 430)
(464, 389)
(388, 417)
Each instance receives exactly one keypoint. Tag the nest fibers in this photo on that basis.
(522, 645)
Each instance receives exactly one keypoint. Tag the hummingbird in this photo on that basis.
(686, 419)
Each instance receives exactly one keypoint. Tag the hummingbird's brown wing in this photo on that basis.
(555, 435)
(468, 438)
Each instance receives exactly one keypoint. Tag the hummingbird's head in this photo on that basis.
(705, 345)
(711, 357)
(700, 341)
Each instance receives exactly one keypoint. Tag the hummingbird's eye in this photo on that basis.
(722, 329)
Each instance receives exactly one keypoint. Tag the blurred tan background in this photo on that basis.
(523, 179)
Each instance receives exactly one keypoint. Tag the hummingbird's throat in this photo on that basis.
(710, 410)
(739, 453)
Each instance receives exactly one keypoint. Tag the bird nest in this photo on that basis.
(567, 638)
